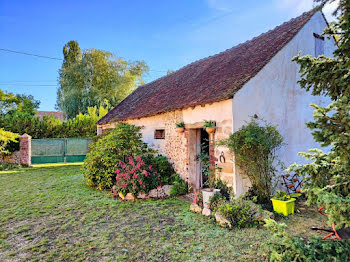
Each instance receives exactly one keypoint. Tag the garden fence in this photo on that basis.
(59, 150)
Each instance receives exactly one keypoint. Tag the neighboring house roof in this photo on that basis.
(208, 80)
(58, 115)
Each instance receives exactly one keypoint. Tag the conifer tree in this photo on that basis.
(327, 174)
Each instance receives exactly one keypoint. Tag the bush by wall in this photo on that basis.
(254, 147)
(134, 176)
(105, 154)
(179, 186)
(163, 167)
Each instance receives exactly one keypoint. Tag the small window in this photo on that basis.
(159, 134)
(319, 45)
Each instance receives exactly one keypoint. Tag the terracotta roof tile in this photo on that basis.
(208, 80)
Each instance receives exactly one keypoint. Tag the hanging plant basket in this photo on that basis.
(210, 130)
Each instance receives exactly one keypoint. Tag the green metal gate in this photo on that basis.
(59, 150)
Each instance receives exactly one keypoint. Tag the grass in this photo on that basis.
(49, 214)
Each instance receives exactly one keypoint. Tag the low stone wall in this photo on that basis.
(23, 156)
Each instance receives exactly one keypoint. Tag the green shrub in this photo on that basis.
(255, 147)
(9, 166)
(252, 195)
(281, 195)
(83, 125)
(239, 213)
(12, 146)
(106, 153)
(215, 201)
(162, 165)
(6, 137)
(225, 190)
(284, 247)
(179, 186)
(224, 195)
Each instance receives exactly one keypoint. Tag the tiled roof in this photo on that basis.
(208, 80)
(56, 114)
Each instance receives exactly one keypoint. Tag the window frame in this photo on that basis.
(319, 44)
(162, 131)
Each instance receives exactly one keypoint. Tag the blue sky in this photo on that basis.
(164, 34)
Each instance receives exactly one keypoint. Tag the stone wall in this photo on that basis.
(223, 156)
(23, 156)
(180, 147)
(174, 146)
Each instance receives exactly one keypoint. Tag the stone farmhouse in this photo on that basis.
(253, 78)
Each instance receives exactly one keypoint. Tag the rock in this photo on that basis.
(166, 190)
(206, 212)
(162, 192)
(222, 221)
(195, 208)
(142, 196)
(153, 193)
(129, 197)
(260, 213)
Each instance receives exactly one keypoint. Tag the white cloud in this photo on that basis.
(329, 9)
(297, 7)
(221, 5)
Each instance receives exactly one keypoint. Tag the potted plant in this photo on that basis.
(180, 127)
(209, 126)
(283, 203)
(208, 175)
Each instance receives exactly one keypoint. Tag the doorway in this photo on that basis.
(198, 145)
(203, 154)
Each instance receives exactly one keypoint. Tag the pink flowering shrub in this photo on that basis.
(135, 177)
(198, 198)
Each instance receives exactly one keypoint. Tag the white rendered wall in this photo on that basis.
(274, 95)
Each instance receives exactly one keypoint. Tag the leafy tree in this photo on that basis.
(5, 138)
(88, 79)
(83, 125)
(328, 174)
(10, 103)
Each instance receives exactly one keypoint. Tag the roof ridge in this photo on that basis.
(209, 79)
(312, 11)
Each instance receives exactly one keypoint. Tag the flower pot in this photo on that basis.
(283, 207)
(210, 130)
(180, 129)
(207, 193)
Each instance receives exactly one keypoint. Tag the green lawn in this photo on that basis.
(49, 214)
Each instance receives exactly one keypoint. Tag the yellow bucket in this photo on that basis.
(283, 207)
